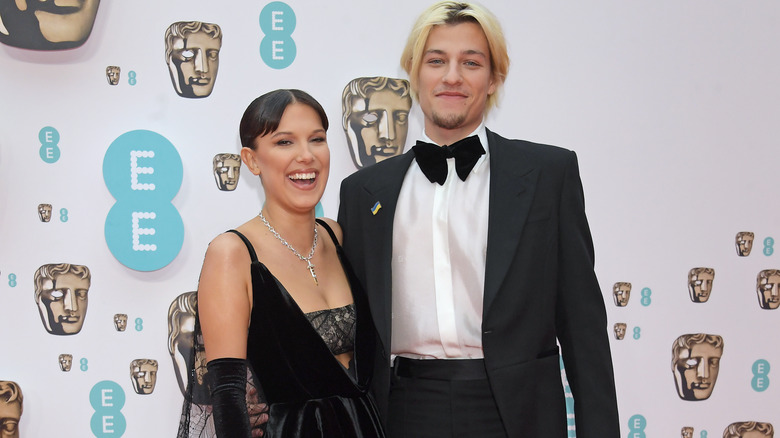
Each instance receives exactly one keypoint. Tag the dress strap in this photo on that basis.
(330, 231)
(252, 253)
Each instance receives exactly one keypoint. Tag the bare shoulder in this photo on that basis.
(334, 226)
(227, 247)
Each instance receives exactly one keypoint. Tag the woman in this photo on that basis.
(276, 294)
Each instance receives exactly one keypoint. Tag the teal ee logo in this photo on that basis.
(143, 171)
(760, 380)
(107, 399)
(277, 48)
(636, 426)
(50, 150)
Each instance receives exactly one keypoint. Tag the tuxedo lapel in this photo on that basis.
(512, 184)
(383, 188)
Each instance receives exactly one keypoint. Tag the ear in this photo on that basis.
(249, 158)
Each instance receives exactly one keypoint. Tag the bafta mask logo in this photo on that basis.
(46, 24)
(44, 210)
(695, 365)
(686, 432)
(749, 429)
(120, 322)
(700, 284)
(143, 373)
(375, 118)
(186, 350)
(768, 288)
(621, 292)
(112, 74)
(192, 53)
(620, 330)
(61, 295)
(11, 404)
(744, 243)
(66, 362)
(226, 170)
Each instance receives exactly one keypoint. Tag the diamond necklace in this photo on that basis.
(306, 259)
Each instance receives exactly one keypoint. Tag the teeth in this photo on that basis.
(309, 175)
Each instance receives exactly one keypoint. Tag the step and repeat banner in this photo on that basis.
(119, 163)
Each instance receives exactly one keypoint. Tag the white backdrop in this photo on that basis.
(672, 107)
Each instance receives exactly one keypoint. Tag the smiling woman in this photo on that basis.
(297, 325)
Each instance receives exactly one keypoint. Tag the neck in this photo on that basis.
(297, 228)
(443, 136)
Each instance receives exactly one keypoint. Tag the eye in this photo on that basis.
(213, 54)
(691, 363)
(81, 294)
(402, 117)
(56, 294)
(369, 119)
(185, 55)
(714, 362)
(283, 142)
(318, 139)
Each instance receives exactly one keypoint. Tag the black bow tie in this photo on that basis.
(432, 159)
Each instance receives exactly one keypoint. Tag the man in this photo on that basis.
(11, 407)
(375, 118)
(472, 284)
(700, 284)
(192, 53)
(46, 24)
(61, 295)
(695, 365)
(227, 168)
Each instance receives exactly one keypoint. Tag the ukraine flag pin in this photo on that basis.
(375, 209)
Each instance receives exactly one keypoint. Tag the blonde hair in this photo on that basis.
(452, 13)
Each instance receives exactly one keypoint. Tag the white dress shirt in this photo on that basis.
(438, 266)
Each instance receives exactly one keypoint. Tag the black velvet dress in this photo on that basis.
(308, 391)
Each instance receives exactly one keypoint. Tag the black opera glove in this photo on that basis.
(227, 382)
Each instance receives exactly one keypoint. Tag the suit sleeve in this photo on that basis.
(581, 321)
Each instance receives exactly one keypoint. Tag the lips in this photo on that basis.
(303, 178)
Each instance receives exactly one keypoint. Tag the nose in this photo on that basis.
(304, 153)
(703, 370)
(201, 64)
(231, 173)
(386, 126)
(70, 301)
(452, 74)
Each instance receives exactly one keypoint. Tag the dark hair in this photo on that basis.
(262, 116)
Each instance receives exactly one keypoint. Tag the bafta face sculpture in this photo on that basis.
(686, 432)
(112, 74)
(749, 429)
(620, 330)
(227, 168)
(744, 243)
(120, 322)
(621, 292)
(695, 365)
(143, 373)
(375, 118)
(66, 362)
(61, 295)
(11, 404)
(186, 350)
(46, 24)
(768, 288)
(44, 212)
(700, 284)
(192, 53)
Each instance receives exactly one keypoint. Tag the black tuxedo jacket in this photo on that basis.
(539, 287)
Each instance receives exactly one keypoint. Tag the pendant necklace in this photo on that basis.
(307, 259)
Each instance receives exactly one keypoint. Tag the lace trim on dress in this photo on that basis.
(336, 327)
